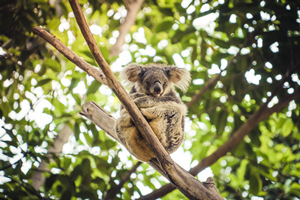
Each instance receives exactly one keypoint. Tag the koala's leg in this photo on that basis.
(131, 139)
(138, 147)
(167, 123)
(125, 119)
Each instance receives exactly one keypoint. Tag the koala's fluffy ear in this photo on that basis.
(180, 77)
(131, 72)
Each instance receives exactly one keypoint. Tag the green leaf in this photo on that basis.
(42, 70)
(88, 139)
(255, 182)
(242, 170)
(93, 88)
(44, 81)
(287, 127)
(74, 83)
(4, 107)
(295, 189)
(76, 172)
(76, 130)
(221, 43)
(66, 195)
(67, 162)
(165, 25)
(52, 64)
(181, 34)
(50, 181)
(222, 121)
(148, 33)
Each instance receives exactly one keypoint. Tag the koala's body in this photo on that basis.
(154, 94)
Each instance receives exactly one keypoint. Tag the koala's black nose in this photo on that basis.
(157, 87)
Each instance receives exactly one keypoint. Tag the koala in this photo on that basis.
(154, 94)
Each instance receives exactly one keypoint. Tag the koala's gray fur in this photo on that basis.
(153, 93)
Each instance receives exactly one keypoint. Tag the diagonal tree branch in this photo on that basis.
(186, 183)
(193, 188)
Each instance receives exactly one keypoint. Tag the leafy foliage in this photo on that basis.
(251, 45)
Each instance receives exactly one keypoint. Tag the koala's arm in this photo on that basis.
(145, 101)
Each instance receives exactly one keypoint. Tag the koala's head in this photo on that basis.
(155, 80)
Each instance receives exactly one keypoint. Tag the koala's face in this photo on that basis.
(153, 81)
(156, 80)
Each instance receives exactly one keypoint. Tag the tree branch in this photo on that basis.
(91, 109)
(132, 9)
(117, 88)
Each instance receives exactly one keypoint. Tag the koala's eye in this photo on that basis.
(165, 84)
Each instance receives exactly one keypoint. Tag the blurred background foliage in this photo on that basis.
(251, 45)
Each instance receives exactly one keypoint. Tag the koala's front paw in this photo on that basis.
(149, 113)
(125, 120)
(144, 102)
